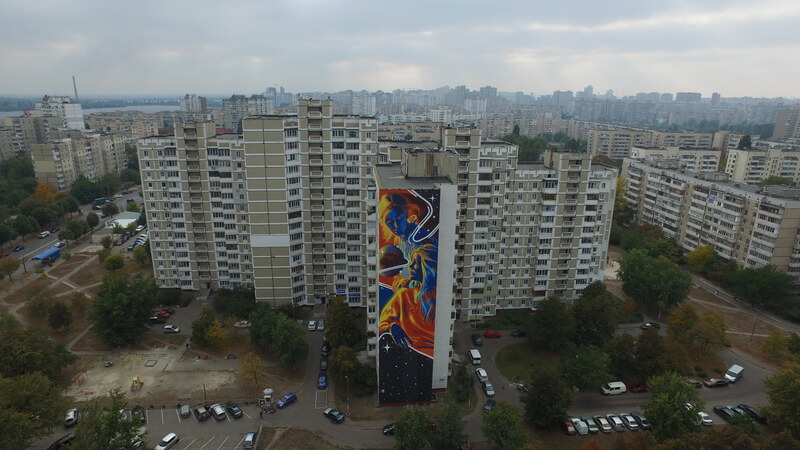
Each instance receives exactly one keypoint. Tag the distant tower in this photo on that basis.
(75, 87)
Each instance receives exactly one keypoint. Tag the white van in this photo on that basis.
(734, 373)
(475, 356)
(614, 388)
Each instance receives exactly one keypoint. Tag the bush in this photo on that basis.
(114, 262)
(168, 297)
(103, 254)
(702, 373)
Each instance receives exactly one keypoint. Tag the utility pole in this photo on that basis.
(755, 322)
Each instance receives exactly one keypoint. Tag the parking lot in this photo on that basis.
(209, 434)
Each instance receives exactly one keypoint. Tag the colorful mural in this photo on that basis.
(408, 238)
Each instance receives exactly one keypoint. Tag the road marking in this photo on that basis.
(324, 400)
(177, 413)
(146, 416)
(248, 416)
(241, 440)
(190, 444)
(162, 416)
(209, 441)
(223, 442)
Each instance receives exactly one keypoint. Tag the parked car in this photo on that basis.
(641, 387)
(72, 418)
(603, 423)
(250, 439)
(4, 254)
(616, 422)
(388, 429)
(287, 400)
(242, 324)
(492, 334)
(171, 329)
(131, 246)
(139, 228)
(157, 319)
(724, 412)
(44, 234)
(326, 348)
(323, 363)
(694, 383)
(488, 388)
(60, 244)
(322, 381)
(704, 419)
(54, 230)
(312, 325)
(648, 325)
(481, 374)
(568, 427)
(740, 412)
(334, 415)
(202, 413)
(489, 405)
(321, 325)
(186, 411)
(62, 442)
(137, 413)
(19, 248)
(629, 421)
(234, 410)
(518, 333)
(580, 426)
(593, 428)
(715, 382)
(477, 340)
(162, 314)
(168, 441)
(641, 420)
(753, 413)
(217, 411)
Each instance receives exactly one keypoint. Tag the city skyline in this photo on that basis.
(735, 48)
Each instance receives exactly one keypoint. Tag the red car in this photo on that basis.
(639, 387)
(4, 254)
(492, 334)
(568, 427)
(163, 314)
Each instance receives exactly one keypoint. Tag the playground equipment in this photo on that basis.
(136, 384)
(80, 378)
(266, 402)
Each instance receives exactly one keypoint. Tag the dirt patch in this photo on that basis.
(65, 267)
(61, 290)
(79, 323)
(90, 342)
(90, 274)
(296, 438)
(21, 295)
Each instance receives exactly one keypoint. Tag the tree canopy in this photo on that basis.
(701, 256)
(342, 324)
(700, 333)
(653, 282)
(585, 366)
(503, 426)
(31, 406)
(667, 410)
(120, 313)
(776, 181)
(596, 315)
(783, 390)
(278, 334)
(765, 286)
(552, 326)
(26, 351)
(101, 429)
(547, 405)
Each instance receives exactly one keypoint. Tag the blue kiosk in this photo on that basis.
(48, 256)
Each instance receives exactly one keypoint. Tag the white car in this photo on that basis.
(139, 228)
(168, 442)
(704, 419)
(44, 234)
(321, 325)
(72, 417)
(242, 324)
(171, 329)
(312, 325)
(481, 374)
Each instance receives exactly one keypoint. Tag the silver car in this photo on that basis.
(488, 388)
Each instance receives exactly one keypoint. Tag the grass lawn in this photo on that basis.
(516, 361)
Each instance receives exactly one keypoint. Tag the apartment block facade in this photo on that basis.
(692, 159)
(18, 134)
(753, 165)
(617, 143)
(70, 113)
(61, 161)
(749, 225)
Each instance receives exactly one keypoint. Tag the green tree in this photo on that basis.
(586, 366)
(342, 324)
(8, 266)
(85, 190)
(103, 254)
(632, 238)
(651, 281)
(765, 286)
(132, 207)
(262, 325)
(515, 132)
(106, 241)
(120, 313)
(667, 410)
(701, 256)
(776, 345)
(343, 363)
(24, 225)
(59, 317)
(623, 213)
(776, 181)
(7, 232)
(745, 142)
(101, 429)
(781, 441)
(783, 390)
(701, 334)
(552, 326)
(76, 228)
(216, 336)
(27, 351)
(140, 255)
(110, 208)
(649, 353)
(547, 404)
(238, 302)
(412, 429)
(92, 220)
(449, 433)
(114, 262)
(503, 426)
(461, 384)
(596, 315)
(40, 301)
(31, 406)
(201, 324)
(622, 362)
(290, 344)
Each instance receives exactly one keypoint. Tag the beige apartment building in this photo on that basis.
(131, 124)
(18, 134)
(701, 141)
(744, 223)
(692, 159)
(53, 163)
(753, 165)
(616, 143)
(74, 154)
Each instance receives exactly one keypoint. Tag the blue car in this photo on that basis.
(19, 248)
(322, 382)
(287, 400)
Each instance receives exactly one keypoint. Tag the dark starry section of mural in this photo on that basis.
(405, 375)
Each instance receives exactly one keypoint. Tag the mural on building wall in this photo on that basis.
(409, 245)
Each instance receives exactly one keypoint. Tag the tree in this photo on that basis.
(132, 207)
(8, 266)
(342, 324)
(586, 366)
(101, 429)
(109, 209)
(238, 302)
(460, 386)
(79, 302)
(781, 441)
(106, 241)
(251, 367)
(27, 351)
(547, 405)
(201, 324)
(290, 344)
(103, 254)
(783, 391)
(622, 363)
(515, 131)
(651, 281)
(262, 325)
(667, 408)
(649, 353)
(596, 315)
(745, 142)
(59, 316)
(31, 406)
(449, 433)
(76, 228)
(40, 301)
(120, 313)
(216, 336)
(701, 256)
(776, 181)
(24, 225)
(114, 262)
(632, 238)
(343, 363)
(765, 286)
(412, 429)
(7, 232)
(503, 426)
(702, 334)
(92, 220)
(85, 190)
(140, 255)
(623, 213)
(552, 326)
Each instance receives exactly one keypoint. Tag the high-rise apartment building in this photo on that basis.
(193, 103)
(695, 160)
(70, 113)
(753, 165)
(61, 161)
(364, 104)
(747, 224)
(787, 124)
(20, 133)
(616, 143)
(238, 107)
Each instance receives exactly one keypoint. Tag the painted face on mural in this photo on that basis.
(397, 221)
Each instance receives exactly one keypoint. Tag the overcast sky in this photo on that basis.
(736, 48)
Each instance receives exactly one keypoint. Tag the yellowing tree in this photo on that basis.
(251, 367)
(216, 336)
(44, 193)
(776, 346)
(700, 256)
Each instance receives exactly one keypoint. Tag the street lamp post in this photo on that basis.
(347, 393)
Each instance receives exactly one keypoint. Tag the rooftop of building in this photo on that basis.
(391, 176)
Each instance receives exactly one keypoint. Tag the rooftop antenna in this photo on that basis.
(75, 87)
